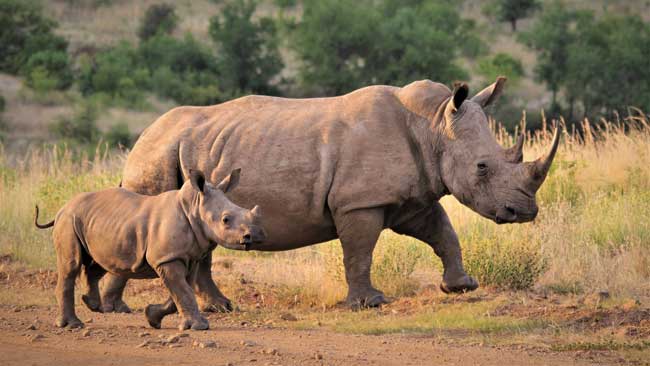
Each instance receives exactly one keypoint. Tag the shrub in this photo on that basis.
(248, 52)
(28, 42)
(48, 70)
(158, 19)
(119, 135)
(384, 42)
(81, 127)
(512, 265)
(501, 64)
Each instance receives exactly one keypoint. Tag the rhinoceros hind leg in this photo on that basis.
(94, 273)
(156, 312)
(68, 252)
(358, 232)
(209, 296)
(111, 294)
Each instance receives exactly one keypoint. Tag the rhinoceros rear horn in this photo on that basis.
(515, 154)
(230, 182)
(539, 168)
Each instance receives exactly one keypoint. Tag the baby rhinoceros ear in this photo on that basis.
(230, 182)
(198, 180)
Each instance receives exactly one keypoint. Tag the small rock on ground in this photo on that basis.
(288, 317)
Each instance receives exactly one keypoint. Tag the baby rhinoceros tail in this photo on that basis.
(41, 226)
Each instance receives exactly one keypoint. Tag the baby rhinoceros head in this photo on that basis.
(222, 221)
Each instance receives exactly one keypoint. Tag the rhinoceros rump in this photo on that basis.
(346, 167)
(138, 236)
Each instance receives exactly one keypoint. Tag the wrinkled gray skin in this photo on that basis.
(137, 236)
(346, 167)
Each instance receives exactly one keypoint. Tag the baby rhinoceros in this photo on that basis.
(138, 236)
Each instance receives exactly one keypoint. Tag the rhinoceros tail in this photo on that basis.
(44, 226)
(120, 185)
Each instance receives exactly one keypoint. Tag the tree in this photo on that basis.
(513, 10)
(345, 44)
(333, 41)
(551, 36)
(610, 53)
(30, 47)
(248, 55)
(501, 64)
(158, 19)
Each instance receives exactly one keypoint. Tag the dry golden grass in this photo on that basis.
(592, 233)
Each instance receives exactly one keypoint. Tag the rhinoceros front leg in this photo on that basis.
(434, 228)
(358, 231)
(175, 277)
(209, 296)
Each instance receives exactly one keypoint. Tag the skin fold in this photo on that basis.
(345, 167)
(130, 235)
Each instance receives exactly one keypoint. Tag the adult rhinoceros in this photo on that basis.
(345, 167)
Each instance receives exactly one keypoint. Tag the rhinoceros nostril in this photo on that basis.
(247, 237)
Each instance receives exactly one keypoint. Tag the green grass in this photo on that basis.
(472, 318)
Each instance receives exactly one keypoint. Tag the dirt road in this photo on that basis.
(27, 337)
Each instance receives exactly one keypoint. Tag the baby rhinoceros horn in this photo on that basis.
(256, 211)
(538, 169)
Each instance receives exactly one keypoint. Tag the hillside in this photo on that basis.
(90, 25)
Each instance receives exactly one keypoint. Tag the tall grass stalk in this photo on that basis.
(592, 233)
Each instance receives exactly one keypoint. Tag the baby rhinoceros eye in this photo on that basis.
(225, 219)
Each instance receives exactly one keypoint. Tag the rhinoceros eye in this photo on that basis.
(482, 168)
(225, 219)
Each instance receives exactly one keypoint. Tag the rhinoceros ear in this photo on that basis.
(461, 91)
(488, 95)
(197, 179)
(230, 182)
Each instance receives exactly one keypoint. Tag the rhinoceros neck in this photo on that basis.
(189, 201)
(426, 135)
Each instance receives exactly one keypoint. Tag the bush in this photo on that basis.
(81, 127)
(119, 135)
(28, 43)
(48, 70)
(116, 73)
(385, 42)
(514, 264)
(501, 64)
(158, 19)
(248, 53)
(3, 124)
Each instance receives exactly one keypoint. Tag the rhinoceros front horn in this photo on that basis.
(539, 168)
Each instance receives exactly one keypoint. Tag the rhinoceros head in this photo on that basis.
(224, 222)
(491, 180)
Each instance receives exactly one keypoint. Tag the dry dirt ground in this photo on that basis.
(248, 337)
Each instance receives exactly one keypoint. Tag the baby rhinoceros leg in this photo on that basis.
(175, 277)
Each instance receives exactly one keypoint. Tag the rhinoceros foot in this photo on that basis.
(115, 306)
(460, 284)
(69, 321)
(92, 303)
(216, 305)
(372, 299)
(198, 323)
